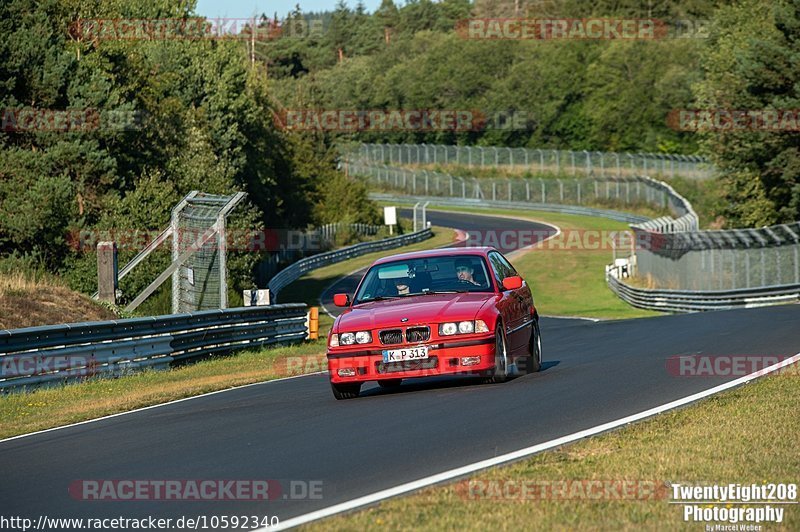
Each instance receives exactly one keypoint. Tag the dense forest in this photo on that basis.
(151, 119)
(146, 122)
(612, 95)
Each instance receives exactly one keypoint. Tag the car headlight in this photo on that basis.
(334, 340)
(349, 338)
(463, 327)
(448, 329)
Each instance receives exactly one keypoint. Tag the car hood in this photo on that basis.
(420, 310)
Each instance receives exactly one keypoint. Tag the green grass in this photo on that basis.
(748, 435)
(569, 282)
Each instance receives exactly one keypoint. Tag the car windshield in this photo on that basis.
(432, 275)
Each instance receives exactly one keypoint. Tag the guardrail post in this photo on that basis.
(107, 272)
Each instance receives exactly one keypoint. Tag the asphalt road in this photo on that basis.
(294, 430)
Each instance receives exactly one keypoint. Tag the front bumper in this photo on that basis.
(444, 358)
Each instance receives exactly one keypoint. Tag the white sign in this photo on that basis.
(190, 275)
(390, 215)
(256, 298)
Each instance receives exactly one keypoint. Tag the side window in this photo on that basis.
(498, 268)
(510, 271)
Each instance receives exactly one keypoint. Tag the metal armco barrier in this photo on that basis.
(296, 270)
(514, 205)
(695, 301)
(38, 355)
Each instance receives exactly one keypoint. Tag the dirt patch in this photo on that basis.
(28, 304)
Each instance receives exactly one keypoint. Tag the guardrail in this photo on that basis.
(695, 300)
(514, 205)
(39, 355)
(296, 270)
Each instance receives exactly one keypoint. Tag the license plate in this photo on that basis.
(400, 355)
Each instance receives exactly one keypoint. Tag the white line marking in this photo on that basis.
(571, 318)
(516, 455)
(158, 405)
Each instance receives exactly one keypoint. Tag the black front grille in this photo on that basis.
(391, 336)
(418, 334)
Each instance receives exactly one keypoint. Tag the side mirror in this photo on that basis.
(341, 300)
(512, 283)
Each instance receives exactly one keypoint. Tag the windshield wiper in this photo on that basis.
(376, 298)
(434, 292)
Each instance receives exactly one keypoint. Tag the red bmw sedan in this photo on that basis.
(438, 312)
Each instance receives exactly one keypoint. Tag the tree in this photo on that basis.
(750, 63)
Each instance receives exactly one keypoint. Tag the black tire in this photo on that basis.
(390, 383)
(345, 391)
(500, 371)
(534, 362)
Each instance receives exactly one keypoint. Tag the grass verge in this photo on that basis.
(569, 281)
(748, 435)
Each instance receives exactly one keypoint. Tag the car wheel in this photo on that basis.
(535, 358)
(345, 391)
(390, 383)
(500, 372)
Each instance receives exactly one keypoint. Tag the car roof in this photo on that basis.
(439, 252)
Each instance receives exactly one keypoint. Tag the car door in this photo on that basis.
(518, 306)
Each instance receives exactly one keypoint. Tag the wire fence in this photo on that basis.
(558, 162)
(668, 252)
(601, 191)
(199, 282)
(719, 260)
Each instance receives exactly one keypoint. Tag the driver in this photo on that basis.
(464, 271)
(401, 284)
